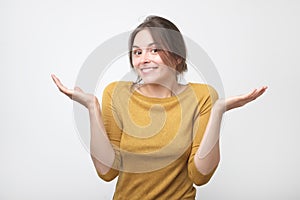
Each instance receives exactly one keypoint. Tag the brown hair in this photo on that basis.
(167, 35)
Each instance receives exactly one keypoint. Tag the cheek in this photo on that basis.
(158, 58)
(135, 62)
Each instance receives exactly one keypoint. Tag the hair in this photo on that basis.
(172, 49)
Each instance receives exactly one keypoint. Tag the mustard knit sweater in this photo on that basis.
(155, 141)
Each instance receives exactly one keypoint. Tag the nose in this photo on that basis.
(145, 58)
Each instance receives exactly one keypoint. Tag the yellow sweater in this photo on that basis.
(155, 140)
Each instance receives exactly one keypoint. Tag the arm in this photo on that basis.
(101, 150)
(208, 154)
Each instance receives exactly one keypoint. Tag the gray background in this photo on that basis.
(252, 43)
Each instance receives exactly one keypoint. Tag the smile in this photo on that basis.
(148, 69)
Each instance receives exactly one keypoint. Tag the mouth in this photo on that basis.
(148, 69)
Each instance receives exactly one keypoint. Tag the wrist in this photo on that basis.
(92, 104)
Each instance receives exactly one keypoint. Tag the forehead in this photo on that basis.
(143, 38)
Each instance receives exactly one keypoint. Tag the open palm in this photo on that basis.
(77, 94)
(240, 100)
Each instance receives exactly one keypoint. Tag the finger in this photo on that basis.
(56, 80)
(261, 91)
(264, 88)
(59, 84)
(257, 93)
(61, 87)
(249, 95)
(254, 94)
(53, 76)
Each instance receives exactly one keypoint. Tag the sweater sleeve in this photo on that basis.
(207, 96)
(113, 129)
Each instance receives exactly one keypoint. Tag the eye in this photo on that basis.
(137, 52)
(154, 51)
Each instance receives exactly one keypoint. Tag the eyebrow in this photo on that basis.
(153, 43)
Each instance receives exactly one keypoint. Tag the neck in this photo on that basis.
(159, 90)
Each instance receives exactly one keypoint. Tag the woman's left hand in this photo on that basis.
(239, 101)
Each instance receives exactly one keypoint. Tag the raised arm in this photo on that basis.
(208, 154)
(101, 150)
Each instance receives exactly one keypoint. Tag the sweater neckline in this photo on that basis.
(164, 99)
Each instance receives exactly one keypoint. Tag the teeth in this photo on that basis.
(148, 69)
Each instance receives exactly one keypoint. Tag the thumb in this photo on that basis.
(78, 89)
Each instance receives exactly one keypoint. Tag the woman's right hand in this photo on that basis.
(77, 94)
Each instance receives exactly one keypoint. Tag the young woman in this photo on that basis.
(159, 137)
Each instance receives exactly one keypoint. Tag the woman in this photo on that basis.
(148, 132)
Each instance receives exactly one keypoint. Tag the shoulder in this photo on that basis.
(204, 91)
(119, 85)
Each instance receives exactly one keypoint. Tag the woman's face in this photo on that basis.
(147, 61)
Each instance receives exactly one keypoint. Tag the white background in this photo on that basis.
(252, 43)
